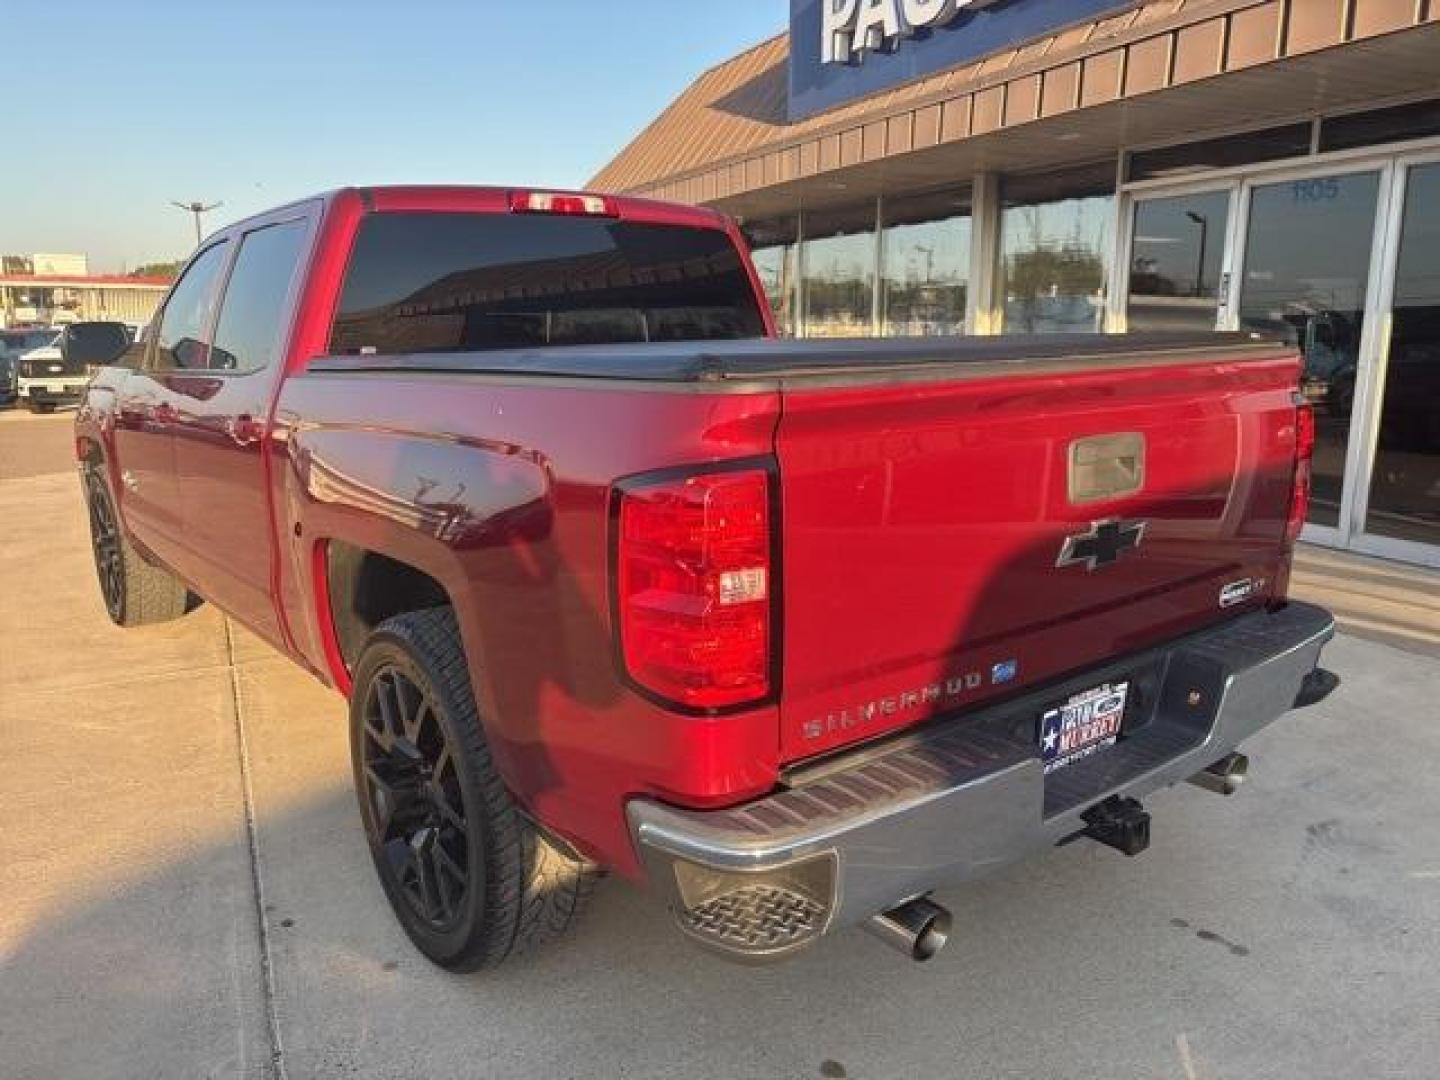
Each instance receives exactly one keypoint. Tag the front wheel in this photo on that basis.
(472, 880)
(135, 592)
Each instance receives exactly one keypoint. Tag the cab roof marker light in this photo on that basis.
(556, 202)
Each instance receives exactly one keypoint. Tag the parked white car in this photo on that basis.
(14, 344)
(56, 373)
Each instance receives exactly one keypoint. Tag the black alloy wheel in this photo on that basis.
(105, 543)
(473, 880)
(414, 799)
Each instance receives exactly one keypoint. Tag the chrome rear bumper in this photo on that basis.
(961, 797)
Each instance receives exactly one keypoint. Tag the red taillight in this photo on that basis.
(694, 586)
(1300, 489)
(558, 202)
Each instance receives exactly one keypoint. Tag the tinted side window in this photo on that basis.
(434, 282)
(180, 342)
(248, 334)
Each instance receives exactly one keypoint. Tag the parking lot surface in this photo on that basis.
(188, 894)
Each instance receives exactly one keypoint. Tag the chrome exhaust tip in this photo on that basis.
(918, 928)
(1225, 776)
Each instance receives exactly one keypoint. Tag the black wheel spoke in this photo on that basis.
(398, 857)
(449, 878)
(385, 700)
(389, 798)
(447, 791)
(427, 877)
(375, 728)
(412, 709)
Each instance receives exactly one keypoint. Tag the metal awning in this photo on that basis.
(1161, 72)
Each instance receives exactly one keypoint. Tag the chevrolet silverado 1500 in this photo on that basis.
(795, 632)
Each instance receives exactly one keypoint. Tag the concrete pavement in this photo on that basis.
(32, 444)
(1288, 932)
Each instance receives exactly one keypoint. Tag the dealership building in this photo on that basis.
(917, 167)
(57, 298)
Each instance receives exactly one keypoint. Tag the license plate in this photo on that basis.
(1085, 724)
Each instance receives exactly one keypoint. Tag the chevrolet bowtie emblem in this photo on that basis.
(1102, 544)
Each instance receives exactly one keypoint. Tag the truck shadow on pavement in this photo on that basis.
(164, 976)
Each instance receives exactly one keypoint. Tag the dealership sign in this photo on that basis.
(850, 29)
(844, 49)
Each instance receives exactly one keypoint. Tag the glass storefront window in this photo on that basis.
(1054, 235)
(925, 265)
(839, 273)
(775, 254)
(1307, 264)
(1175, 258)
(1405, 483)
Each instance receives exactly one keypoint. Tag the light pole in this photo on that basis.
(929, 253)
(196, 208)
(1204, 223)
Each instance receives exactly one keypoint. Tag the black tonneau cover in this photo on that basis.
(760, 359)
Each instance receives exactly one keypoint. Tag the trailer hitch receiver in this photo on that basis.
(1120, 823)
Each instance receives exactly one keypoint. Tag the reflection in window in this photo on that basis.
(180, 341)
(926, 265)
(1054, 233)
(247, 337)
(840, 273)
(1307, 264)
(775, 254)
(1175, 262)
(1272, 144)
(445, 282)
(1405, 487)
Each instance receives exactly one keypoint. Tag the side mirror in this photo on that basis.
(94, 344)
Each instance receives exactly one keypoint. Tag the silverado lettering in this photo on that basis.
(935, 693)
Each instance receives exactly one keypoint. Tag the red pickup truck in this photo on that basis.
(797, 632)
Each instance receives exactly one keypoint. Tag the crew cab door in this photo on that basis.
(222, 422)
(146, 408)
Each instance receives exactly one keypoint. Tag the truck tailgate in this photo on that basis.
(955, 537)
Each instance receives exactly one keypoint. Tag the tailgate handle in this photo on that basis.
(1106, 466)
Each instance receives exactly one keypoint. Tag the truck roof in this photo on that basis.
(492, 199)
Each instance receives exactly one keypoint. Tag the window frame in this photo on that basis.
(287, 306)
(152, 343)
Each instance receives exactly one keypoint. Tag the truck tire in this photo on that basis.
(136, 593)
(471, 878)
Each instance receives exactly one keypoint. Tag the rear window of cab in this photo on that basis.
(451, 282)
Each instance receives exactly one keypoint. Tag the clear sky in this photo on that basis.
(115, 108)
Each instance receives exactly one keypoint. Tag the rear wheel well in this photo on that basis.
(366, 588)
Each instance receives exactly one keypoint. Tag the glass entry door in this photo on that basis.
(1404, 485)
(1306, 276)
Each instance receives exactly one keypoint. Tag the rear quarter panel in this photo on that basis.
(501, 493)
